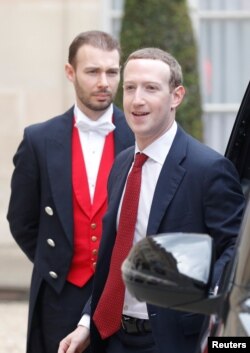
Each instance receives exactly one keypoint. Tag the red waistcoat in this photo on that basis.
(87, 216)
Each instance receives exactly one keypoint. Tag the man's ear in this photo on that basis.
(70, 72)
(178, 95)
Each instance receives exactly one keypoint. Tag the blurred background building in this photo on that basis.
(35, 35)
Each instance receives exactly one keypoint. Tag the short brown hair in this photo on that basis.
(97, 39)
(176, 78)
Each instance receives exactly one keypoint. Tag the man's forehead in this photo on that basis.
(147, 70)
(145, 64)
(103, 60)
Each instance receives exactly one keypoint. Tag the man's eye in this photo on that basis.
(112, 73)
(151, 88)
(129, 88)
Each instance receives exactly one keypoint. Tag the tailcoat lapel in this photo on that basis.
(122, 134)
(169, 180)
(59, 164)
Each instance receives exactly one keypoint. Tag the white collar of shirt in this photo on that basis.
(105, 119)
(155, 150)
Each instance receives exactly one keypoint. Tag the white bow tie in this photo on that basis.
(102, 128)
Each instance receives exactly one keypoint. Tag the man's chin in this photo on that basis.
(100, 106)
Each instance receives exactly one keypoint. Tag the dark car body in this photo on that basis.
(151, 274)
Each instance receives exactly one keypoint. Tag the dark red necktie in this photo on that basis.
(108, 313)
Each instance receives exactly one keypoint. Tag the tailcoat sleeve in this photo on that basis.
(23, 211)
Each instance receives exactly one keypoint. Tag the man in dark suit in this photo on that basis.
(185, 187)
(59, 192)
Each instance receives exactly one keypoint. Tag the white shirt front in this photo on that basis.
(92, 144)
(157, 153)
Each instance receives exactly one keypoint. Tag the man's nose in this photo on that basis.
(138, 97)
(102, 80)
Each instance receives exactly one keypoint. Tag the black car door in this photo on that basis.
(238, 148)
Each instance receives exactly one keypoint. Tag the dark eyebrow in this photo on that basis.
(98, 68)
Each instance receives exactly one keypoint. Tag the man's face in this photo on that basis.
(148, 104)
(95, 77)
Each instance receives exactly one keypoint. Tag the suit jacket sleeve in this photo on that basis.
(23, 212)
(223, 207)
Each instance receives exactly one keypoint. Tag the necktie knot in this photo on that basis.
(140, 159)
(101, 127)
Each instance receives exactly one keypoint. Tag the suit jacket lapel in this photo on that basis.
(169, 180)
(122, 134)
(59, 164)
(119, 183)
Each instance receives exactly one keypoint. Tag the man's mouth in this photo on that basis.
(140, 113)
(102, 94)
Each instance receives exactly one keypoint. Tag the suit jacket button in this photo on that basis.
(94, 238)
(49, 210)
(51, 242)
(53, 274)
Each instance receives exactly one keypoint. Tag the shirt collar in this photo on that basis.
(158, 150)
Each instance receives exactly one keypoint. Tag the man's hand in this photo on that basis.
(76, 342)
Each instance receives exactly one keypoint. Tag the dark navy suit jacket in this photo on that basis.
(198, 190)
(43, 177)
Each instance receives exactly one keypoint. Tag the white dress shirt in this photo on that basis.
(92, 144)
(157, 153)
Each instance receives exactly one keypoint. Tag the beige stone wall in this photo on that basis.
(34, 40)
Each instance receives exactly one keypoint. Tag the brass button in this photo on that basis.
(93, 225)
(51, 242)
(94, 238)
(53, 274)
(94, 251)
(49, 210)
(94, 264)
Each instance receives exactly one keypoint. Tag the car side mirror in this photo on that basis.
(172, 270)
